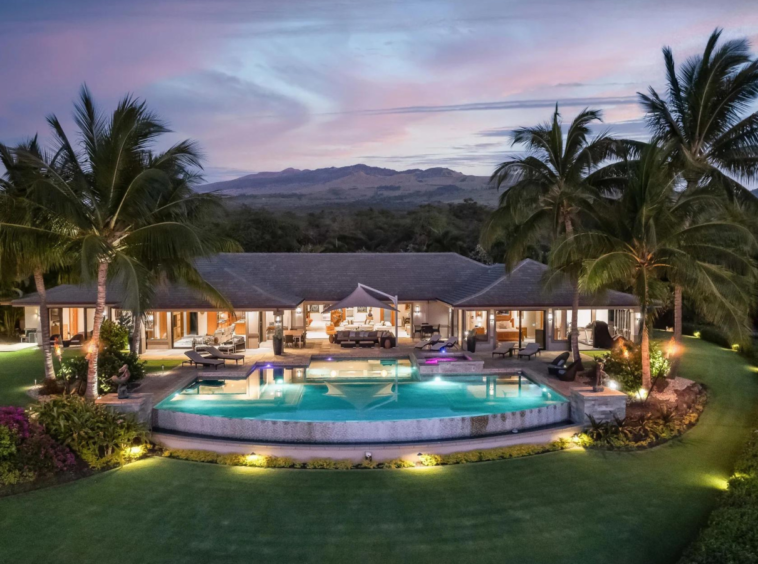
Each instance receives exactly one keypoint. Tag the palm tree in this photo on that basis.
(547, 195)
(30, 240)
(122, 205)
(703, 119)
(646, 236)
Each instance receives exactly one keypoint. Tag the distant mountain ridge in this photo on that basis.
(357, 186)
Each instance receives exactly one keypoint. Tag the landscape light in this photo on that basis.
(613, 385)
(696, 334)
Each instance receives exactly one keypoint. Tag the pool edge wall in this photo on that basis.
(338, 432)
(357, 452)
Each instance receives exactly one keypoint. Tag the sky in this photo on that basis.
(268, 85)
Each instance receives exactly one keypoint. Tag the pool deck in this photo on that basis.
(162, 384)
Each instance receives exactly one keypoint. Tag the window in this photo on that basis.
(476, 321)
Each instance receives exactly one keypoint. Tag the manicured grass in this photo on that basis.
(19, 370)
(160, 365)
(568, 507)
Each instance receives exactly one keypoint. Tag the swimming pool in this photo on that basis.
(350, 400)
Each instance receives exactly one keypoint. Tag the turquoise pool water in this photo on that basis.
(329, 394)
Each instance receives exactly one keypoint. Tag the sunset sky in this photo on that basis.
(313, 83)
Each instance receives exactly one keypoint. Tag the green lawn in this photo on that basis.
(568, 507)
(19, 370)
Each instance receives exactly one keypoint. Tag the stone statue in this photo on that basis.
(597, 379)
(121, 380)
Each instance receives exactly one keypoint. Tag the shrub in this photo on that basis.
(108, 364)
(7, 443)
(368, 465)
(625, 366)
(27, 451)
(73, 373)
(113, 336)
(15, 419)
(430, 459)
(713, 335)
(99, 436)
(320, 464)
(398, 463)
(732, 531)
(192, 455)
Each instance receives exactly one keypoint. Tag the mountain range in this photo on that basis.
(355, 186)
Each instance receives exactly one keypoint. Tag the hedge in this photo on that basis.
(731, 535)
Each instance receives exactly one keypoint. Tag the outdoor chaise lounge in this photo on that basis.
(529, 350)
(197, 359)
(558, 363)
(505, 349)
(433, 340)
(216, 354)
(568, 374)
(450, 343)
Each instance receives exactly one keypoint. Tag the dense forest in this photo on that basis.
(428, 228)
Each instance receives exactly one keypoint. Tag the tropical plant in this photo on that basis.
(99, 436)
(125, 209)
(624, 365)
(703, 118)
(642, 239)
(32, 241)
(547, 195)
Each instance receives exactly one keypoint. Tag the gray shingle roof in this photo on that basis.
(524, 287)
(284, 280)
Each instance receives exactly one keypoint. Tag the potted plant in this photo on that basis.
(278, 339)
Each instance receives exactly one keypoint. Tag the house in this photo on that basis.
(446, 291)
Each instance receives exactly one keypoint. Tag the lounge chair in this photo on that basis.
(559, 362)
(197, 359)
(505, 348)
(529, 350)
(569, 373)
(450, 343)
(433, 340)
(216, 354)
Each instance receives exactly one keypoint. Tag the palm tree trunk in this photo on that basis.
(677, 314)
(44, 321)
(574, 338)
(102, 276)
(645, 356)
(677, 329)
(136, 336)
(574, 324)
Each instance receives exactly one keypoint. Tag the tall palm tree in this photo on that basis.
(121, 205)
(646, 236)
(703, 118)
(30, 238)
(547, 195)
